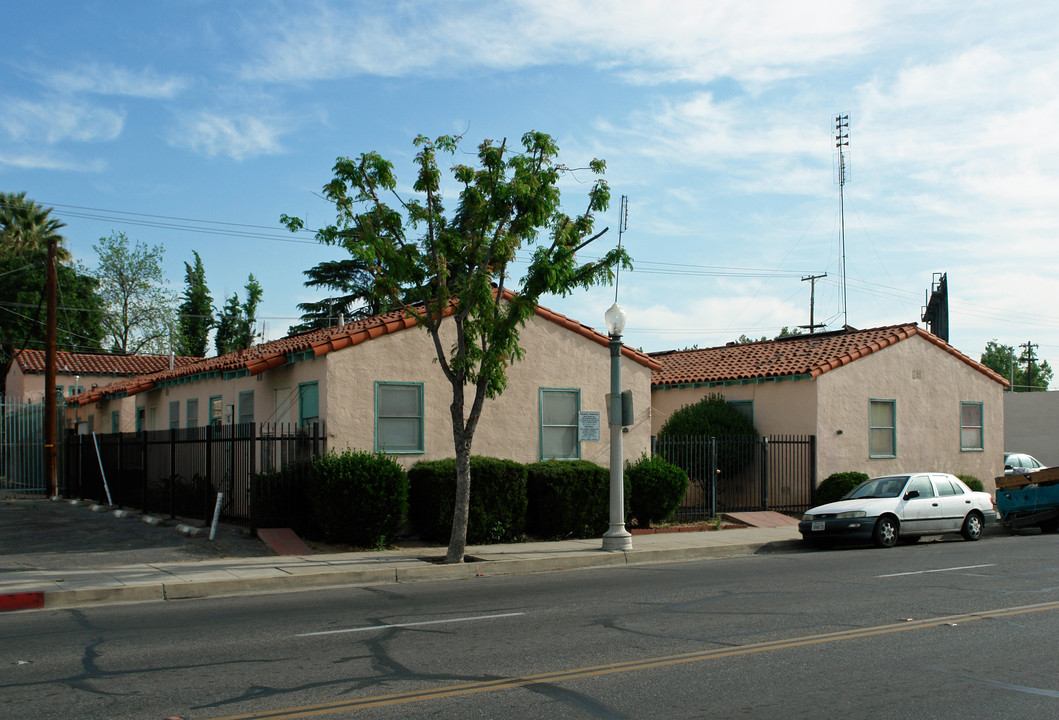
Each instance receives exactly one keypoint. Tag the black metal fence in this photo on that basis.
(739, 474)
(181, 472)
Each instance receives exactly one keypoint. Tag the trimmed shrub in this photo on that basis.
(569, 499)
(656, 487)
(836, 485)
(972, 482)
(497, 507)
(713, 416)
(356, 498)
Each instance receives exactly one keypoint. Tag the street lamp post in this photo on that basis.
(616, 537)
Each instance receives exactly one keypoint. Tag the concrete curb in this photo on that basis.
(329, 576)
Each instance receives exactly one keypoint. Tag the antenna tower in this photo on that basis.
(841, 170)
(623, 225)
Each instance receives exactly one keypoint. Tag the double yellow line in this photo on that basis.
(378, 701)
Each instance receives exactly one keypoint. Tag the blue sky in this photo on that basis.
(195, 125)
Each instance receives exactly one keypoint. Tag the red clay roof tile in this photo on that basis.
(807, 355)
(270, 355)
(32, 362)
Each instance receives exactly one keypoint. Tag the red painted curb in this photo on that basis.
(21, 601)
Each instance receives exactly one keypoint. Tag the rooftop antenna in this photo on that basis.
(623, 225)
(841, 135)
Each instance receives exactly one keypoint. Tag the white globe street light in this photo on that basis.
(616, 537)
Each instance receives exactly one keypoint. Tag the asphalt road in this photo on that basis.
(58, 536)
(936, 630)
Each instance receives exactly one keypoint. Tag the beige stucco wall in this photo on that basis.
(509, 428)
(928, 386)
(787, 407)
(29, 387)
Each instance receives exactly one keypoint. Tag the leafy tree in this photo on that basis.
(27, 226)
(235, 326)
(1024, 371)
(137, 305)
(460, 263)
(195, 312)
(784, 332)
(352, 278)
(22, 307)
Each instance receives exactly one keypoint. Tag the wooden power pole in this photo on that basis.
(50, 401)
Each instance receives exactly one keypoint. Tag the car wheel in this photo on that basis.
(972, 526)
(885, 533)
(1049, 526)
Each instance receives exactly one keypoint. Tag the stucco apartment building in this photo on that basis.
(81, 372)
(376, 386)
(880, 400)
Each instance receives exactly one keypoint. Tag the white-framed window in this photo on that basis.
(882, 428)
(972, 429)
(399, 417)
(558, 423)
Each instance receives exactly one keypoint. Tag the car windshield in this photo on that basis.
(884, 487)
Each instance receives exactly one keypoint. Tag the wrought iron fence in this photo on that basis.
(738, 474)
(22, 461)
(181, 472)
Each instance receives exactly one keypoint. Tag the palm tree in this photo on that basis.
(26, 226)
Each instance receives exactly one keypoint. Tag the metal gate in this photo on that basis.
(22, 464)
(739, 474)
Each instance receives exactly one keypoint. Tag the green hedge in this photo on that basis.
(569, 499)
(972, 482)
(836, 485)
(356, 498)
(497, 506)
(656, 488)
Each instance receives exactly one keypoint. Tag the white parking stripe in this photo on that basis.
(408, 624)
(923, 572)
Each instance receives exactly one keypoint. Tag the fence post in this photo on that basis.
(713, 477)
(208, 480)
(143, 474)
(172, 472)
(765, 473)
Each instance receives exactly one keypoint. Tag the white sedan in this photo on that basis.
(906, 506)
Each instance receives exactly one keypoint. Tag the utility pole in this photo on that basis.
(1028, 357)
(812, 326)
(50, 401)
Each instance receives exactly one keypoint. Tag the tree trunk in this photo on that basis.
(461, 510)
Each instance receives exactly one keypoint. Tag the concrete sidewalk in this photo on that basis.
(23, 586)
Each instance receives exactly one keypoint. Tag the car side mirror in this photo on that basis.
(1008, 467)
(911, 494)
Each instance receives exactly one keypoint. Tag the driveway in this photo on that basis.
(46, 535)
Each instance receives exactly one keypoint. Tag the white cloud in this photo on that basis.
(111, 80)
(48, 161)
(55, 121)
(237, 137)
(675, 41)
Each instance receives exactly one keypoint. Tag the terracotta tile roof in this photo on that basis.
(32, 362)
(800, 355)
(276, 353)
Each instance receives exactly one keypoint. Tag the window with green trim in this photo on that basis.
(246, 407)
(745, 408)
(308, 403)
(141, 418)
(399, 417)
(558, 417)
(972, 430)
(191, 413)
(115, 421)
(882, 432)
(216, 410)
(174, 414)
